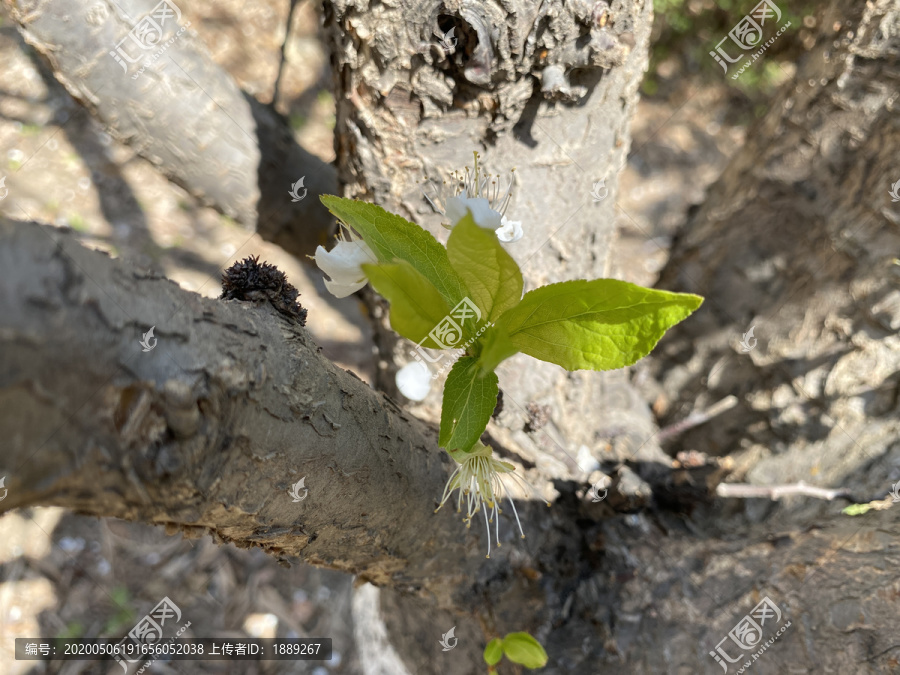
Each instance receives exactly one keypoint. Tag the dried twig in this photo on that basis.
(697, 418)
(287, 35)
(746, 491)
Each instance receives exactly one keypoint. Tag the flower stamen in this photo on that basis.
(478, 478)
(480, 193)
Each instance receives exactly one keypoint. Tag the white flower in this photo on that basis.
(478, 478)
(482, 213)
(414, 381)
(343, 265)
(509, 230)
(479, 193)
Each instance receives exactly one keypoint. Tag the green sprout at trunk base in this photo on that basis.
(519, 648)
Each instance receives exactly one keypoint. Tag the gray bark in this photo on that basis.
(185, 115)
(208, 431)
(204, 432)
(799, 238)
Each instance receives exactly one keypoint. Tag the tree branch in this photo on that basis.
(696, 418)
(209, 430)
(186, 116)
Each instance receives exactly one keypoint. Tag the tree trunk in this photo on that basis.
(798, 240)
(208, 431)
(185, 115)
(547, 88)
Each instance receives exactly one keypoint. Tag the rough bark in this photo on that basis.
(799, 239)
(208, 430)
(185, 115)
(548, 88)
(814, 166)
(213, 422)
(206, 433)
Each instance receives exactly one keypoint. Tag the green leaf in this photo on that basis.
(599, 325)
(493, 652)
(394, 238)
(491, 275)
(495, 347)
(416, 305)
(469, 401)
(856, 509)
(523, 649)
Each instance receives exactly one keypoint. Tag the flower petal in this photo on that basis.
(340, 290)
(342, 264)
(414, 381)
(480, 207)
(510, 230)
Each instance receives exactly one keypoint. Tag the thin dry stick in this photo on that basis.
(287, 35)
(745, 491)
(697, 418)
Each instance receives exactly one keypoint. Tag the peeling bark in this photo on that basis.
(185, 115)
